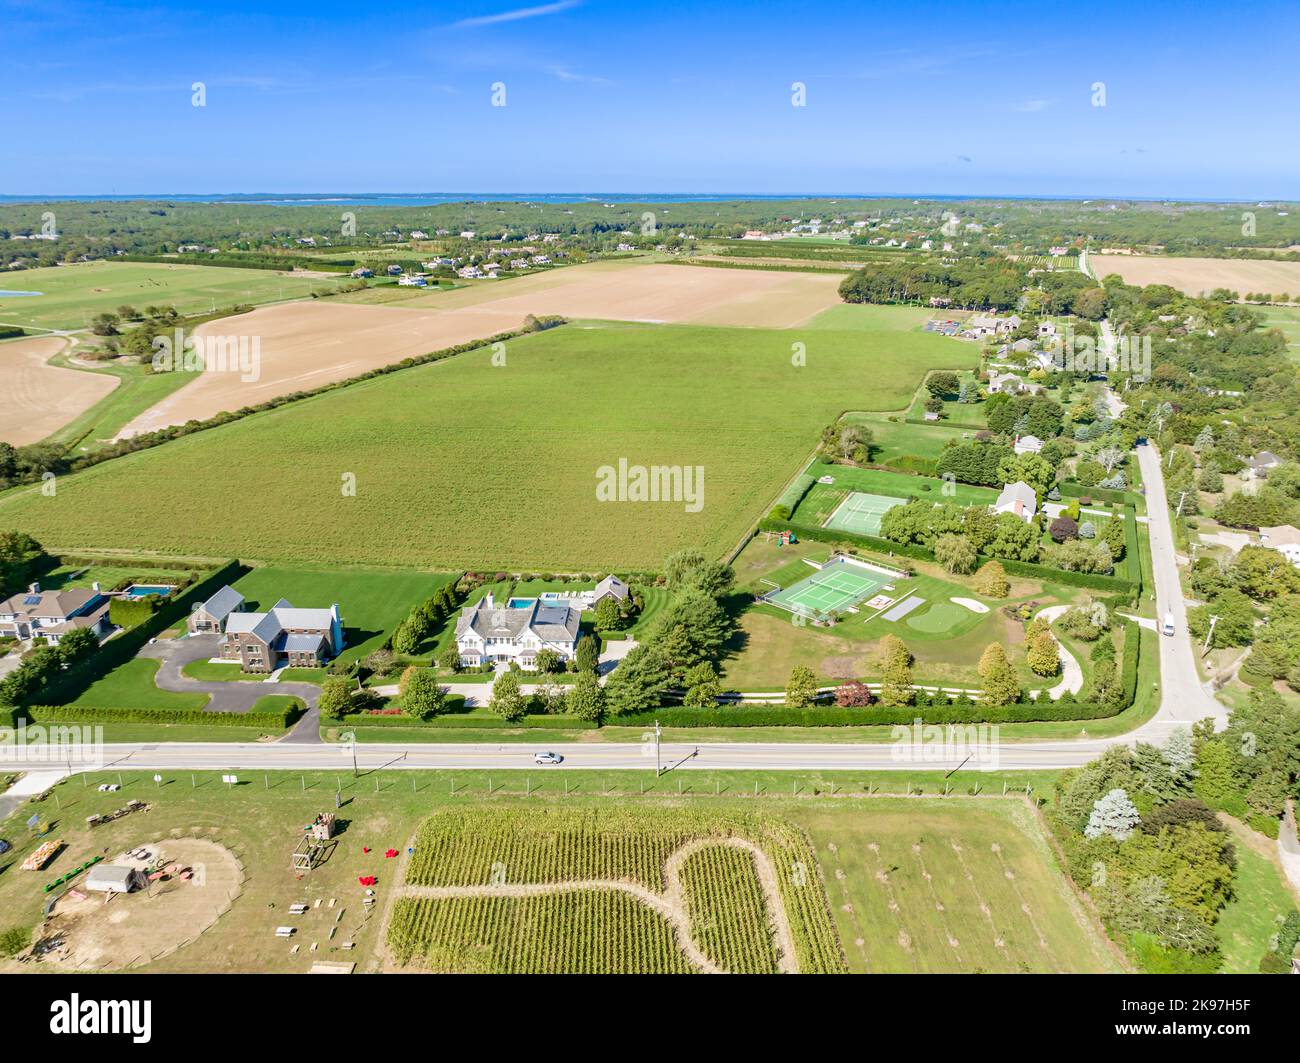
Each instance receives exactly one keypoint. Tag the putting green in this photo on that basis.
(940, 617)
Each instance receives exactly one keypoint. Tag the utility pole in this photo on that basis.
(658, 732)
(1209, 635)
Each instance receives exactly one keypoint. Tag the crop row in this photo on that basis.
(580, 932)
(729, 918)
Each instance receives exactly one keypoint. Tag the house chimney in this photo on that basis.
(34, 588)
(95, 586)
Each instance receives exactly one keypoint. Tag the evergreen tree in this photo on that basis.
(1001, 686)
(1113, 816)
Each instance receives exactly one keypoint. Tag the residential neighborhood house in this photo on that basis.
(52, 614)
(282, 637)
(212, 614)
(487, 633)
(1018, 498)
(1285, 539)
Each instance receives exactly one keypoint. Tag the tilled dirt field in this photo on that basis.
(38, 398)
(304, 345)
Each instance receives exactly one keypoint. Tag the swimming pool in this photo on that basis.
(144, 590)
(520, 603)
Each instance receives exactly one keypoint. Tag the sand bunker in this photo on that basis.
(971, 604)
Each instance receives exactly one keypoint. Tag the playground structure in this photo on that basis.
(310, 850)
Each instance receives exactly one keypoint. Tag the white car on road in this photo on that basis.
(547, 758)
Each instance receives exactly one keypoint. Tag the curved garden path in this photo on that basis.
(671, 904)
(1071, 672)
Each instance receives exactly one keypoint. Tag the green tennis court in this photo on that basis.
(861, 512)
(837, 586)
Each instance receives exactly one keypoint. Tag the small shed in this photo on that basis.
(115, 878)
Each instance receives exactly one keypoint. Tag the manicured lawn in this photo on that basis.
(303, 675)
(132, 686)
(1260, 902)
(728, 400)
(108, 576)
(820, 502)
(372, 601)
(276, 703)
(206, 671)
(75, 294)
(894, 438)
(1286, 318)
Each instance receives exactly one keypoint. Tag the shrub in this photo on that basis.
(14, 940)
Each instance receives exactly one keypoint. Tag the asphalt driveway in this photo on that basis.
(230, 695)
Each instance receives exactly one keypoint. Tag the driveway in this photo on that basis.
(230, 695)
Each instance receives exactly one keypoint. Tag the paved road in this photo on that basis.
(773, 756)
(1183, 696)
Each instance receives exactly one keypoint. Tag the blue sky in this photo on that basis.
(610, 96)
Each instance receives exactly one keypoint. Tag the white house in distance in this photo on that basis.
(488, 633)
(1005, 382)
(1258, 465)
(1018, 498)
(1283, 538)
(1028, 444)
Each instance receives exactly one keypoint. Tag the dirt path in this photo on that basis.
(671, 904)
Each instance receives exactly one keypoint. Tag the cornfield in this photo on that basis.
(729, 918)
(495, 859)
(583, 932)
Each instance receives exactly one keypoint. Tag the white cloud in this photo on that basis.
(517, 14)
(1031, 106)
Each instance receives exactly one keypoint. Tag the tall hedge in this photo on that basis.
(91, 715)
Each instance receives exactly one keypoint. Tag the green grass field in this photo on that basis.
(867, 317)
(75, 294)
(728, 400)
(946, 639)
(1286, 318)
(139, 389)
(823, 499)
(970, 887)
(894, 439)
(1259, 904)
(132, 686)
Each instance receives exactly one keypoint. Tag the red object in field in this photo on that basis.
(390, 854)
(367, 880)
(365, 848)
